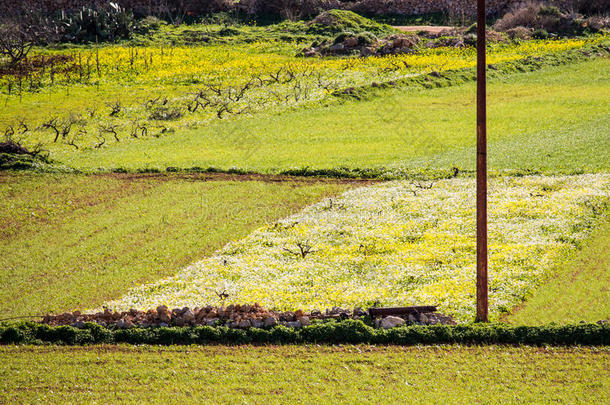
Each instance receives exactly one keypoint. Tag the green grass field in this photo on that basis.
(579, 291)
(311, 374)
(532, 115)
(75, 241)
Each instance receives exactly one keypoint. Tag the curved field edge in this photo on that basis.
(275, 374)
(71, 241)
(578, 289)
(401, 134)
(393, 244)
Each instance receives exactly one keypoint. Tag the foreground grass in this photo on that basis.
(578, 292)
(74, 241)
(346, 374)
(531, 116)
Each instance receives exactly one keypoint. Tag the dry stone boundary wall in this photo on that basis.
(286, 7)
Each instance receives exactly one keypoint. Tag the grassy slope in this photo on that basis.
(527, 113)
(580, 290)
(86, 239)
(347, 374)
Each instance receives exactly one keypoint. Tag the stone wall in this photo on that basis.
(409, 7)
(163, 8)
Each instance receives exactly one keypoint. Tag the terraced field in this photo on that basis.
(209, 173)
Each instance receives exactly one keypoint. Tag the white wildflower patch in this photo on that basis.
(396, 243)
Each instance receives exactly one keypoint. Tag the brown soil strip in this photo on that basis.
(267, 178)
(432, 29)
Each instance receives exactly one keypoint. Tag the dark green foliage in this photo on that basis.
(420, 19)
(96, 24)
(540, 33)
(333, 332)
(149, 25)
(334, 22)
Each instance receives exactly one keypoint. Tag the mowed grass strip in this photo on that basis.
(312, 374)
(74, 241)
(404, 127)
(580, 290)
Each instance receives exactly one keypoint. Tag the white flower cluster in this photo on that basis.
(395, 243)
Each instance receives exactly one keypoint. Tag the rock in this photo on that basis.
(359, 312)
(201, 315)
(351, 42)
(188, 316)
(337, 48)
(244, 324)
(423, 318)
(163, 325)
(164, 314)
(270, 321)
(412, 318)
(211, 321)
(295, 324)
(391, 322)
(304, 320)
(257, 323)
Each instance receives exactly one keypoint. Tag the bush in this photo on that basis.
(166, 113)
(519, 33)
(148, 25)
(333, 332)
(540, 33)
(96, 24)
(525, 16)
(550, 19)
(337, 21)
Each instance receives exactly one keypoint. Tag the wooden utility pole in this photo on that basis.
(482, 305)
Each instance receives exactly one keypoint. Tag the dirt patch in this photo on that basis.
(430, 29)
(267, 178)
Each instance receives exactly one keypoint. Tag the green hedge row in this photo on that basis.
(343, 332)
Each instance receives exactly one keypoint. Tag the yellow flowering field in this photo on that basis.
(95, 97)
(396, 243)
(234, 65)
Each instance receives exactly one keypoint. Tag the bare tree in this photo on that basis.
(16, 42)
(22, 28)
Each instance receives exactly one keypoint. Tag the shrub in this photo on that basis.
(536, 16)
(96, 24)
(148, 25)
(337, 21)
(540, 33)
(519, 33)
(333, 332)
(519, 17)
(166, 113)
